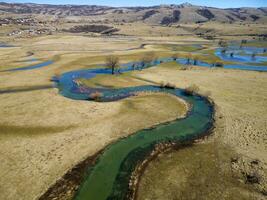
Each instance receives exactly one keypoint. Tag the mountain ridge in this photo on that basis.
(159, 14)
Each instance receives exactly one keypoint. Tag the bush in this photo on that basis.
(148, 58)
(223, 43)
(244, 41)
(162, 84)
(189, 57)
(183, 68)
(218, 64)
(96, 96)
(223, 51)
(175, 56)
(56, 77)
(167, 85)
(209, 37)
(195, 60)
(253, 55)
(191, 90)
(170, 86)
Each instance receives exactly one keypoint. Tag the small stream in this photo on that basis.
(30, 67)
(242, 55)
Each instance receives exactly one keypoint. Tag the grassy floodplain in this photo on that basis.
(43, 134)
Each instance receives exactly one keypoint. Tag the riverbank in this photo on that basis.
(239, 140)
(43, 138)
(43, 158)
(67, 186)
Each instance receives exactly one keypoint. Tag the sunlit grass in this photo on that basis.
(112, 81)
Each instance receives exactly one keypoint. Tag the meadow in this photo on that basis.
(44, 134)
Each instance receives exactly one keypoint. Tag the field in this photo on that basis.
(44, 134)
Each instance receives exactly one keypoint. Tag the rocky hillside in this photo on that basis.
(163, 14)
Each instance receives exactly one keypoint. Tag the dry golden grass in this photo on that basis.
(241, 95)
(29, 165)
(200, 172)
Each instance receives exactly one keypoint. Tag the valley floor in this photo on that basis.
(219, 166)
(43, 134)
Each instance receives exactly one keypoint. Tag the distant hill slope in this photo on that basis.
(163, 14)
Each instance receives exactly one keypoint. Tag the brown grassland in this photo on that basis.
(43, 134)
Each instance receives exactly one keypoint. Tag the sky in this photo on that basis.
(118, 3)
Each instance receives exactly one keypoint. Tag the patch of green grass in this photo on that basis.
(177, 47)
(112, 81)
(170, 65)
(258, 64)
(208, 51)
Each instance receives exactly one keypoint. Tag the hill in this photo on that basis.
(161, 15)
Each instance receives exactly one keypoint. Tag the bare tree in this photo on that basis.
(175, 56)
(242, 42)
(195, 59)
(148, 58)
(189, 58)
(112, 62)
(224, 46)
(133, 66)
(213, 61)
(253, 55)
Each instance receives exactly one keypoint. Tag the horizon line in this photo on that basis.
(136, 6)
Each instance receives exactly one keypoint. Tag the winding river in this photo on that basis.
(109, 177)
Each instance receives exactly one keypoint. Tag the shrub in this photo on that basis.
(218, 64)
(96, 96)
(170, 86)
(244, 41)
(167, 85)
(148, 58)
(223, 43)
(223, 51)
(162, 84)
(210, 37)
(195, 59)
(29, 53)
(191, 90)
(253, 55)
(175, 56)
(184, 68)
(56, 77)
